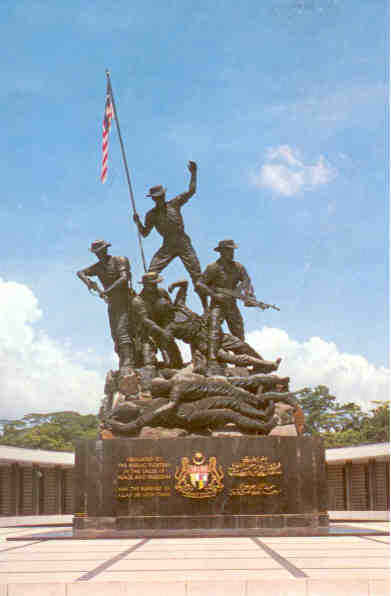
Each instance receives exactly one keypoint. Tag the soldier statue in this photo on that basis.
(166, 217)
(115, 277)
(151, 310)
(220, 280)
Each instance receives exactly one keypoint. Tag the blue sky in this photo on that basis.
(282, 103)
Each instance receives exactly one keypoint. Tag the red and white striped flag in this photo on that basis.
(107, 118)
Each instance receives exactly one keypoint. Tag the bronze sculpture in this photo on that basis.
(150, 310)
(146, 324)
(115, 277)
(203, 416)
(166, 218)
(219, 280)
(201, 404)
(193, 329)
(198, 403)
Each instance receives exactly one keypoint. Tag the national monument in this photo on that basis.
(211, 445)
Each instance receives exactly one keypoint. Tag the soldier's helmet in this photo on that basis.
(225, 244)
(156, 191)
(152, 277)
(98, 245)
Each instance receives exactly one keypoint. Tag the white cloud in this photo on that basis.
(38, 374)
(285, 173)
(318, 362)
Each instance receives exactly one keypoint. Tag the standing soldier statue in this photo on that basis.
(220, 280)
(114, 274)
(166, 217)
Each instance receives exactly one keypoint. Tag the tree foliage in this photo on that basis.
(342, 425)
(55, 431)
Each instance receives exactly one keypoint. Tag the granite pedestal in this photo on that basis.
(201, 483)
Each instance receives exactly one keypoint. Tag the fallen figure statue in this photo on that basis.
(206, 414)
(196, 403)
(184, 324)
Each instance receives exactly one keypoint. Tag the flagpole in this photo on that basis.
(126, 167)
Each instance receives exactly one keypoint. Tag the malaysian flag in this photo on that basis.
(107, 118)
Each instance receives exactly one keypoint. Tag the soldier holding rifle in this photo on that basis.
(115, 277)
(225, 281)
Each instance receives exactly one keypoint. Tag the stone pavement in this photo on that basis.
(274, 566)
(35, 521)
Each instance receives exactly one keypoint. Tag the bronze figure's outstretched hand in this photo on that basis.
(93, 288)
(177, 284)
(192, 167)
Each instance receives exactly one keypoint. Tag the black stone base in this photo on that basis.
(272, 485)
(277, 524)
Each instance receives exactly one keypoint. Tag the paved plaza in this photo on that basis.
(297, 566)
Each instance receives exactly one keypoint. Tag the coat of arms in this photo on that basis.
(199, 479)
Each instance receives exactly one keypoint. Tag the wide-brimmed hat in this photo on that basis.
(225, 244)
(156, 191)
(98, 245)
(151, 277)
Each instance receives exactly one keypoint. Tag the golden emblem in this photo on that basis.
(199, 479)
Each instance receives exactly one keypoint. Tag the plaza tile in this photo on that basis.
(277, 587)
(37, 589)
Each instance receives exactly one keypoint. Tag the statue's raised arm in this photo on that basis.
(185, 196)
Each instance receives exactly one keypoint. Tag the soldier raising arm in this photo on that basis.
(166, 218)
(155, 218)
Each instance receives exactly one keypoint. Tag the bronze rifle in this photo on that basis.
(240, 294)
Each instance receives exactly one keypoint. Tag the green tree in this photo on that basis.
(341, 425)
(324, 414)
(376, 428)
(55, 431)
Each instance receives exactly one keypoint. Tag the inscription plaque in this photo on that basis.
(143, 477)
(256, 466)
